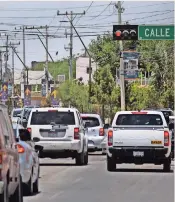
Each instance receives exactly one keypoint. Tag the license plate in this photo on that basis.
(52, 134)
(138, 154)
(156, 142)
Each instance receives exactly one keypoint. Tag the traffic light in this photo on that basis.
(125, 32)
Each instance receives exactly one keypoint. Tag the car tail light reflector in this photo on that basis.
(166, 138)
(20, 148)
(101, 132)
(76, 134)
(110, 138)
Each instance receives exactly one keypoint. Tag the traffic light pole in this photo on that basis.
(122, 77)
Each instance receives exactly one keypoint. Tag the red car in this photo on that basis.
(10, 179)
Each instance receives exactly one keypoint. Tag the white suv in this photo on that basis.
(61, 133)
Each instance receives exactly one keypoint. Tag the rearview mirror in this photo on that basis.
(24, 135)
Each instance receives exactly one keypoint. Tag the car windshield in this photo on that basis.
(92, 121)
(16, 113)
(47, 118)
(139, 119)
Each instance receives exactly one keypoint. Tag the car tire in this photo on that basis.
(28, 188)
(167, 165)
(111, 165)
(4, 197)
(36, 184)
(86, 158)
(79, 160)
(18, 195)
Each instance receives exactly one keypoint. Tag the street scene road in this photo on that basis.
(61, 180)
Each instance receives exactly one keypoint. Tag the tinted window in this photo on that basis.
(93, 121)
(46, 118)
(16, 113)
(139, 119)
(167, 113)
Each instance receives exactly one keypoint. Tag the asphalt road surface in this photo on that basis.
(62, 181)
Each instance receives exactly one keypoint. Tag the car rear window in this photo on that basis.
(16, 113)
(93, 121)
(47, 118)
(139, 119)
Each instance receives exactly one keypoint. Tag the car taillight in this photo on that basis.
(76, 134)
(29, 129)
(20, 148)
(166, 138)
(110, 138)
(101, 132)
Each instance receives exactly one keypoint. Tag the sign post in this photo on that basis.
(156, 32)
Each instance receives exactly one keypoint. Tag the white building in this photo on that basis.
(82, 68)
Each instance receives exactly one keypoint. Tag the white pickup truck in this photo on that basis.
(139, 137)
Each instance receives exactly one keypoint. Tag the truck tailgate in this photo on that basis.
(143, 137)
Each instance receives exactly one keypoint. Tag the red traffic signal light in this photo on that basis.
(125, 32)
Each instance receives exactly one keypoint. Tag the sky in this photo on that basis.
(99, 19)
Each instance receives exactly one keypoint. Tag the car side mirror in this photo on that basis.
(24, 122)
(106, 126)
(38, 148)
(171, 126)
(24, 135)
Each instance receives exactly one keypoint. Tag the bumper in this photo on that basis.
(1, 187)
(95, 142)
(146, 155)
(57, 146)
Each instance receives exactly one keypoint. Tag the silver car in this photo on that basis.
(94, 131)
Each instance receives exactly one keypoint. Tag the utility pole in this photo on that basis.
(6, 54)
(122, 77)
(24, 57)
(71, 19)
(47, 82)
(1, 65)
(13, 69)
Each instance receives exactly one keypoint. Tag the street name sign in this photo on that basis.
(156, 32)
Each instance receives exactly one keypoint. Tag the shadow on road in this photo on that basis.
(58, 164)
(141, 170)
(34, 194)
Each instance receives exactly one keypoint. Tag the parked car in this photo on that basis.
(29, 160)
(10, 178)
(61, 133)
(95, 131)
(15, 114)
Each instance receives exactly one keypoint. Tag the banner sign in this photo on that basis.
(54, 100)
(4, 93)
(9, 89)
(27, 95)
(130, 60)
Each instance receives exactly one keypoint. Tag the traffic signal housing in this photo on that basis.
(125, 32)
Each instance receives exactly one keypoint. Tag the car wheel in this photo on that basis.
(80, 158)
(111, 165)
(18, 195)
(167, 165)
(28, 188)
(86, 158)
(36, 184)
(4, 197)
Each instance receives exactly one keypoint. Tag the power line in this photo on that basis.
(85, 12)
